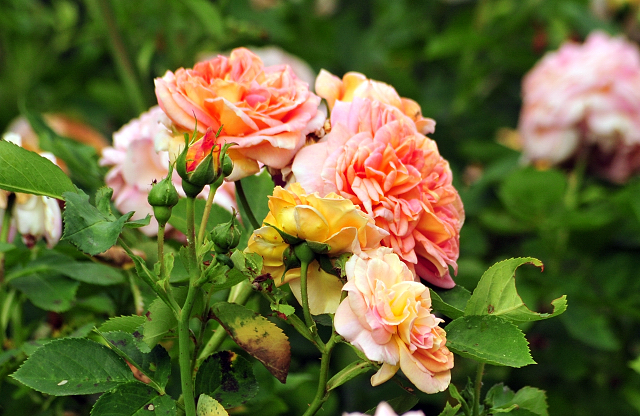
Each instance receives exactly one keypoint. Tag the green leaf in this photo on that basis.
(87, 228)
(489, 339)
(496, 294)
(261, 338)
(5, 247)
(134, 399)
(24, 171)
(48, 291)
(71, 366)
(527, 401)
(99, 303)
(155, 364)
(450, 302)
(89, 272)
(228, 378)
(81, 159)
(218, 215)
(450, 411)
(208, 406)
(286, 310)
(122, 323)
(160, 322)
(352, 370)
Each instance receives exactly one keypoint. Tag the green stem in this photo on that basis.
(4, 231)
(239, 294)
(478, 389)
(242, 199)
(185, 357)
(163, 271)
(205, 215)
(304, 266)
(102, 10)
(321, 393)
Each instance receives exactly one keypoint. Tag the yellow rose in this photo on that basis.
(331, 220)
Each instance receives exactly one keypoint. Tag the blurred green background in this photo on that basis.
(463, 62)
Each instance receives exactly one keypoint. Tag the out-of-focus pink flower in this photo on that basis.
(585, 98)
(140, 155)
(33, 216)
(387, 315)
(384, 409)
(375, 157)
(355, 84)
(267, 111)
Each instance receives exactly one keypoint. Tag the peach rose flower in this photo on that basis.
(585, 98)
(330, 220)
(33, 216)
(387, 315)
(267, 111)
(384, 409)
(375, 157)
(355, 84)
(138, 157)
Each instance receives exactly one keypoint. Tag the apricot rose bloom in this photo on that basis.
(267, 111)
(355, 84)
(585, 98)
(375, 157)
(331, 220)
(387, 315)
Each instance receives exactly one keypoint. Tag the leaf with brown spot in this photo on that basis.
(259, 337)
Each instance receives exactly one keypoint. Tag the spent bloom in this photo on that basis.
(266, 111)
(384, 409)
(331, 220)
(355, 84)
(375, 157)
(387, 315)
(33, 216)
(140, 155)
(585, 99)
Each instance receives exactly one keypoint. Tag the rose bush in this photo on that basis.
(267, 111)
(330, 220)
(387, 315)
(375, 157)
(585, 98)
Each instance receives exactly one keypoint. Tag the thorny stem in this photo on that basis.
(322, 394)
(304, 266)
(478, 389)
(242, 198)
(5, 225)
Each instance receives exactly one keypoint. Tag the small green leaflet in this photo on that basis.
(134, 399)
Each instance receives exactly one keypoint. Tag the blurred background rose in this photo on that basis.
(584, 101)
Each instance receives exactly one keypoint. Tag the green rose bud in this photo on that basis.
(226, 236)
(162, 197)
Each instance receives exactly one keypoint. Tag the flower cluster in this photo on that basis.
(584, 99)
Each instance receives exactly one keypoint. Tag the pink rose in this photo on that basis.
(383, 409)
(585, 99)
(375, 157)
(267, 111)
(138, 157)
(387, 315)
(355, 84)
